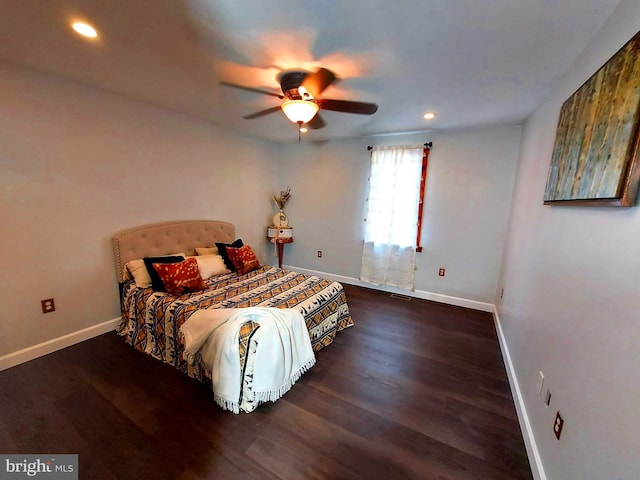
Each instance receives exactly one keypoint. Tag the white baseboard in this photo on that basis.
(527, 432)
(436, 297)
(535, 461)
(44, 348)
(537, 469)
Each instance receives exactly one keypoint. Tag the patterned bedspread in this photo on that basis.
(151, 320)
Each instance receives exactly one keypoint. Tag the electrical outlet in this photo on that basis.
(540, 382)
(547, 398)
(319, 253)
(557, 425)
(441, 272)
(48, 305)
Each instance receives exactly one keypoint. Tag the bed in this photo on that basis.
(151, 320)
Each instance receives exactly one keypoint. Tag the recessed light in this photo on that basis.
(429, 115)
(84, 29)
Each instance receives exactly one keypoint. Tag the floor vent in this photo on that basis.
(401, 297)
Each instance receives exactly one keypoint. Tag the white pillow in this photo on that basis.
(210, 265)
(138, 270)
(207, 251)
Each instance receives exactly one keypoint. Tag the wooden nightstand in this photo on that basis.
(279, 236)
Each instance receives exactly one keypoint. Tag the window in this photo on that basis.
(394, 194)
(393, 218)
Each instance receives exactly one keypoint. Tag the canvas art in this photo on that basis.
(595, 158)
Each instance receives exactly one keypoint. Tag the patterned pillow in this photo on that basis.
(180, 278)
(156, 282)
(244, 259)
(222, 251)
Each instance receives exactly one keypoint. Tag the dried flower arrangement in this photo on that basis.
(282, 200)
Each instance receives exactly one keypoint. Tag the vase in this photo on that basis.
(280, 219)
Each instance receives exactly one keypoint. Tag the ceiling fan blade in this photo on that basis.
(347, 106)
(250, 89)
(316, 82)
(317, 122)
(262, 112)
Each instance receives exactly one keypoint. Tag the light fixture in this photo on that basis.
(304, 129)
(84, 29)
(299, 111)
(429, 115)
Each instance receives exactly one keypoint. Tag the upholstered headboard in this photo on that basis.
(168, 237)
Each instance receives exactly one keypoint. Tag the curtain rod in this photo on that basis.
(426, 145)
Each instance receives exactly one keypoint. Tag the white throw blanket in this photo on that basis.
(283, 353)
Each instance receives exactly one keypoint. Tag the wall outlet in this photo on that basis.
(557, 425)
(319, 253)
(48, 305)
(540, 382)
(441, 272)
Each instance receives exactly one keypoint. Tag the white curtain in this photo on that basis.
(389, 255)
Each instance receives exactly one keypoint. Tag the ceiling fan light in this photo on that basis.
(84, 29)
(299, 111)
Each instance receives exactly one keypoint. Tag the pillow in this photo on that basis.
(180, 278)
(206, 250)
(138, 270)
(210, 265)
(244, 259)
(222, 250)
(156, 282)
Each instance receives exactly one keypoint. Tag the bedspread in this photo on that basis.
(151, 320)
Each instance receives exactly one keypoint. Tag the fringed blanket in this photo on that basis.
(283, 353)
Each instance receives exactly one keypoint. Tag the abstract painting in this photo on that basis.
(595, 158)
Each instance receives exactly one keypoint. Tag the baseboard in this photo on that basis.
(537, 469)
(535, 461)
(44, 348)
(436, 297)
(527, 432)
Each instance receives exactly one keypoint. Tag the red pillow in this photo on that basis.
(243, 259)
(180, 278)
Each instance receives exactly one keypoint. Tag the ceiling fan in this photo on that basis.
(300, 92)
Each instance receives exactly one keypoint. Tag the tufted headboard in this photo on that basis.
(168, 237)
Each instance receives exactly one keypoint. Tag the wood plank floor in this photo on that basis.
(415, 390)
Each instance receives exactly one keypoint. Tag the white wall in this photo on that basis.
(572, 299)
(469, 187)
(77, 165)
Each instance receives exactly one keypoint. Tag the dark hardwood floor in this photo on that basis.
(415, 390)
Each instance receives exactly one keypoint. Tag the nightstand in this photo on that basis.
(280, 236)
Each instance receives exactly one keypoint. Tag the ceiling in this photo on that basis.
(473, 62)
